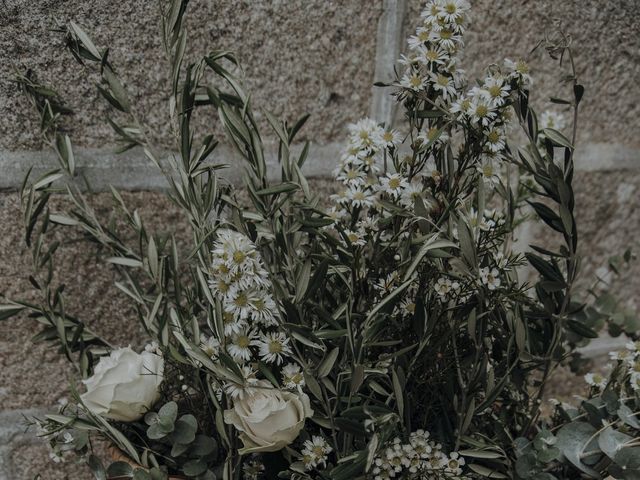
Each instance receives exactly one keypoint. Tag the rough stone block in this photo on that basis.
(299, 56)
(605, 44)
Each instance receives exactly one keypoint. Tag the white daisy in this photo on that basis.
(495, 139)
(263, 310)
(314, 452)
(596, 380)
(482, 111)
(393, 184)
(413, 81)
(209, 345)
(359, 197)
(497, 90)
(444, 85)
(356, 238)
(432, 55)
(273, 346)
(240, 345)
(240, 390)
(519, 70)
(292, 377)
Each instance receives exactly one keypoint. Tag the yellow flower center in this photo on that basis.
(241, 299)
(482, 110)
(522, 67)
(487, 170)
(223, 286)
(243, 341)
(394, 183)
(431, 55)
(415, 81)
(443, 80)
(388, 136)
(493, 136)
(238, 257)
(495, 90)
(275, 346)
(446, 34)
(318, 451)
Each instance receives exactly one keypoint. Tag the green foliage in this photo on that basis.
(385, 346)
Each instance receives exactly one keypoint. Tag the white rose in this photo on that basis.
(124, 385)
(268, 419)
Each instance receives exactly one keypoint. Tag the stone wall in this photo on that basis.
(316, 56)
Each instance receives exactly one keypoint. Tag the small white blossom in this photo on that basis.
(273, 347)
(315, 452)
(490, 277)
(292, 376)
(596, 380)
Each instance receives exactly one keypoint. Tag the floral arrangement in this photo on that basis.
(390, 334)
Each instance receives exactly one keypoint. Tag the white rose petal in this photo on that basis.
(124, 385)
(269, 419)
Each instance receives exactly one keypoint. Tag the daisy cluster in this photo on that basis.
(629, 359)
(359, 170)
(241, 284)
(419, 458)
(432, 61)
(315, 452)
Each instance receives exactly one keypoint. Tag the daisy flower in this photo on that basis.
(239, 390)
(351, 175)
(495, 139)
(359, 197)
(273, 346)
(411, 193)
(487, 168)
(232, 324)
(446, 38)
(497, 90)
(364, 132)
(315, 451)
(393, 184)
(444, 85)
(239, 347)
(519, 70)
(292, 377)
(451, 11)
(461, 106)
(239, 303)
(413, 81)
(390, 138)
(418, 40)
(482, 111)
(596, 380)
(209, 345)
(263, 310)
(356, 238)
(432, 55)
